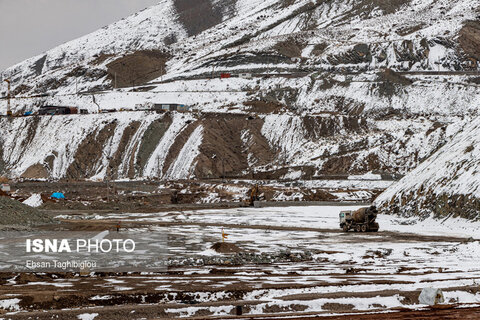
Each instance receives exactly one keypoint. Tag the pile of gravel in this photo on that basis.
(242, 258)
(15, 213)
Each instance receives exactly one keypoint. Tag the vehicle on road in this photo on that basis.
(361, 220)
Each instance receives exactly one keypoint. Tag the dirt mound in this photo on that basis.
(137, 68)
(470, 39)
(290, 48)
(15, 213)
(225, 247)
(37, 171)
(264, 107)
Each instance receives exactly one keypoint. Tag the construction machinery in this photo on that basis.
(9, 110)
(361, 220)
(254, 195)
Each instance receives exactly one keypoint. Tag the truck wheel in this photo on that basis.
(357, 228)
(364, 228)
(345, 228)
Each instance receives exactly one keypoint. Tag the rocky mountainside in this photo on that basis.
(188, 39)
(447, 183)
(318, 88)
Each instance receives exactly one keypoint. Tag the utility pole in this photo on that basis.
(9, 110)
(114, 187)
(223, 168)
(107, 176)
(108, 186)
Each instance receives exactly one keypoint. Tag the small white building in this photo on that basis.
(245, 75)
(5, 187)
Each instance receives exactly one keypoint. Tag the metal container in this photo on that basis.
(368, 214)
(359, 215)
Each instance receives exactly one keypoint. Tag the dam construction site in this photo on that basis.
(277, 159)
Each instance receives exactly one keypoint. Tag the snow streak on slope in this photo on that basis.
(93, 143)
(284, 132)
(184, 166)
(131, 150)
(153, 168)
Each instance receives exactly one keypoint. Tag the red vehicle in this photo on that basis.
(225, 75)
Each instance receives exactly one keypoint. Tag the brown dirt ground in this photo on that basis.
(155, 312)
(226, 247)
(264, 107)
(470, 39)
(89, 153)
(37, 171)
(144, 300)
(137, 68)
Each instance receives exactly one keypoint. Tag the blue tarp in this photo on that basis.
(57, 195)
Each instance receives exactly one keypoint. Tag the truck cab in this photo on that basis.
(345, 218)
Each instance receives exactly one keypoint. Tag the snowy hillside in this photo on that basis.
(257, 37)
(317, 88)
(140, 31)
(445, 184)
(181, 146)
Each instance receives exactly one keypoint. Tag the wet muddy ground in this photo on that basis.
(293, 262)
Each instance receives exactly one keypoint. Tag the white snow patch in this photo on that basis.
(35, 200)
(183, 166)
(87, 316)
(10, 304)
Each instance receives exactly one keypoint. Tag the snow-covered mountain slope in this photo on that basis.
(253, 35)
(147, 29)
(448, 183)
(319, 87)
(185, 145)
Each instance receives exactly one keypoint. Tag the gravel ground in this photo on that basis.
(15, 214)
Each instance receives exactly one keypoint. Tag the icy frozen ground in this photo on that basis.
(352, 271)
(320, 217)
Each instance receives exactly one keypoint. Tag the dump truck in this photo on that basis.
(361, 220)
